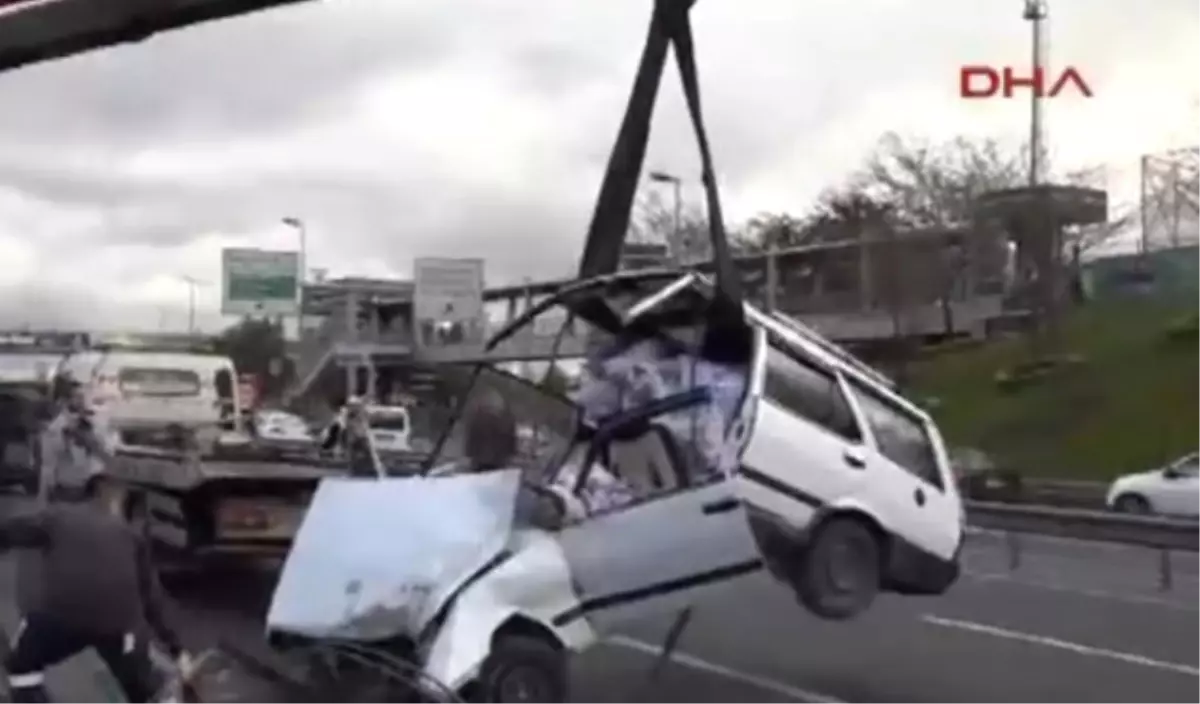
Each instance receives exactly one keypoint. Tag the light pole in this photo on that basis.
(192, 282)
(677, 185)
(298, 225)
(1035, 12)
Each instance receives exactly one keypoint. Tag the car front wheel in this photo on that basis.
(1132, 503)
(838, 575)
(522, 668)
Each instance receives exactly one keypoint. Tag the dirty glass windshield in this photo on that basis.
(545, 422)
(381, 419)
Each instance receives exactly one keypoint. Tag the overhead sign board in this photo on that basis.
(448, 302)
(260, 282)
(32, 31)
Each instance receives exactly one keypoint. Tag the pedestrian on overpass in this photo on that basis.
(85, 580)
(75, 447)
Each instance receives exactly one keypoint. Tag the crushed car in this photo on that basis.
(708, 443)
(701, 449)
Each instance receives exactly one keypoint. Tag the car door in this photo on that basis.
(659, 556)
(905, 480)
(805, 448)
(1180, 488)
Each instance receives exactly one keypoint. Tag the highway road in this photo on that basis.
(1075, 622)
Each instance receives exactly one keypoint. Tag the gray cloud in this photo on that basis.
(238, 77)
(781, 81)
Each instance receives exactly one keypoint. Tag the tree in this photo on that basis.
(773, 230)
(257, 347)
(936, 185)
(1079, 239)
(655, 221)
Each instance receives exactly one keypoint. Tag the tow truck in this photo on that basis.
(199, 502)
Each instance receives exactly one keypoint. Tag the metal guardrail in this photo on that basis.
(1164, 535)
(1142, 531)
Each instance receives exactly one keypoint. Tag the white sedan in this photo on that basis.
(1172, 490)
(282, 428)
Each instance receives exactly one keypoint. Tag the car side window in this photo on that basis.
(810, 393)
(1189, 467)
(900, 435)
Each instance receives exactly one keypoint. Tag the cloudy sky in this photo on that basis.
(402, 128)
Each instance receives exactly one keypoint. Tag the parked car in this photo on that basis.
(282, 428)
(1172, 490)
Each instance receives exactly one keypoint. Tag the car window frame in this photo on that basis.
(778, 345)
(862, 395)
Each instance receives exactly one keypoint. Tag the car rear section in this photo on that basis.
(837, 457)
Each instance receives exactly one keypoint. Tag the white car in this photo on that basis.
(1173, 490)
(754, 445)
(283, 429)
(390, 428)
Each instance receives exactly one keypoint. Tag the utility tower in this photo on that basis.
(1036, 12)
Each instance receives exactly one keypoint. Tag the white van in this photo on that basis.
(146, 390)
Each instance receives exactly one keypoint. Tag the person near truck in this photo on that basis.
(85, 580)
(351, 432)
(75, 447)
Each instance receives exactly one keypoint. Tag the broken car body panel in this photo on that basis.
(377, 558)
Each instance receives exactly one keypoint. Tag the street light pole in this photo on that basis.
(298, 225)
(677, 187)
(1035, 13)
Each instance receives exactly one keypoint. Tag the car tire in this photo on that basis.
(522, 668)
(1132, 503)
(839, 572)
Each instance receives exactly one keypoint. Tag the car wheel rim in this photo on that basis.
(844, 567)
(522, 684)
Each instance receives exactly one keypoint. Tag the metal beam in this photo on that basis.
(34, 31)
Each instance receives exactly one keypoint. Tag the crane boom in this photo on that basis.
(34, 31)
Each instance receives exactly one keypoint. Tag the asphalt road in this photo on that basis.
(1075, 622)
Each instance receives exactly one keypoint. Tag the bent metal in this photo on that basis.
(987, 81)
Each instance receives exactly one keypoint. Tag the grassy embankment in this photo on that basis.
(1130, 404)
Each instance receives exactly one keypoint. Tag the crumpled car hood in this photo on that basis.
(375, 559)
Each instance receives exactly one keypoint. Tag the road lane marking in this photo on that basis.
(1047, 641)
(765, 684)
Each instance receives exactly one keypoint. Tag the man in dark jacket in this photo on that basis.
(84, 579)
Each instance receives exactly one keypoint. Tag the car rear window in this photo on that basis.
(159, 382)
(389, 421)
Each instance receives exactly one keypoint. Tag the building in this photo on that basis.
(908, 284)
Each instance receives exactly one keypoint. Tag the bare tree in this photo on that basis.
(654, 221)
(1080, 239)
(936, 185)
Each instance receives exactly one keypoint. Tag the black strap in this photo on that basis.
(670, 24)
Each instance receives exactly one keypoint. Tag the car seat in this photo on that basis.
(649, 462)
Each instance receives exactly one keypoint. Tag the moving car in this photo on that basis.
(1172, 490)
(817, 470)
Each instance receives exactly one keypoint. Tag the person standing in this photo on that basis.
(85, 580)
(75, 447)
(351, 432)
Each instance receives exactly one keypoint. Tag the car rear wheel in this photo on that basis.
(838, 575)
(522, 668)
(1132, 503)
